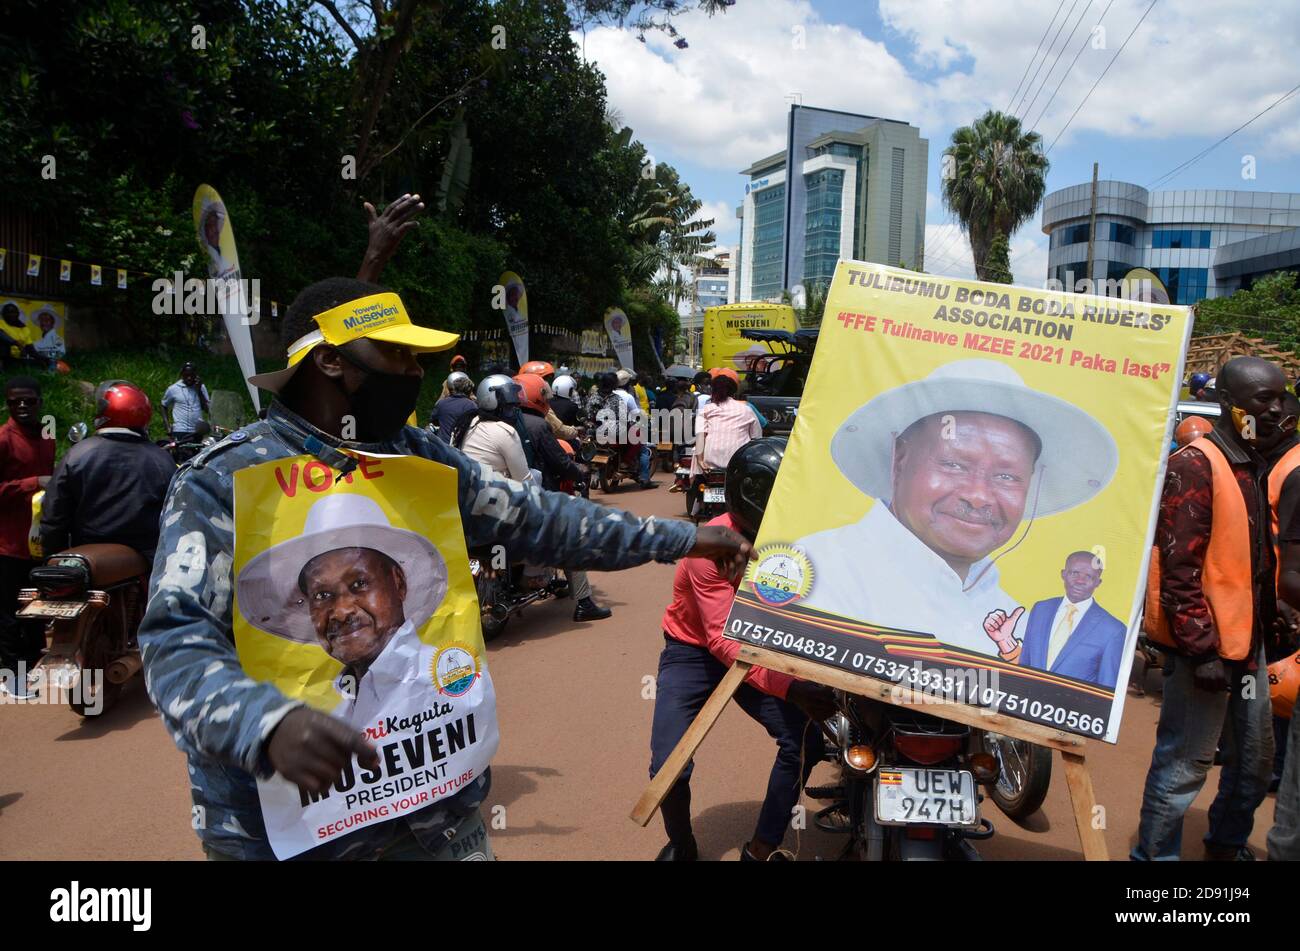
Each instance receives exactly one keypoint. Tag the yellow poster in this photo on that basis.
(354, 595)
(969, 494)
(35, 324)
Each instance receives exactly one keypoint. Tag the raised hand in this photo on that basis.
(387, 229)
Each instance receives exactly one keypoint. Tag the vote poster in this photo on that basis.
(969, 493)
(354, 596)
(36, 324)
(216, 238)
(516, 310)
(620, 336)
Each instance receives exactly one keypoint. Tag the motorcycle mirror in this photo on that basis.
(77, 432)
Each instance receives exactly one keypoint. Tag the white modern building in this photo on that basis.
(1199, 242)
(857, 190)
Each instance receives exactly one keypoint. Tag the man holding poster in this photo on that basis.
(956, 441)
(312, 636)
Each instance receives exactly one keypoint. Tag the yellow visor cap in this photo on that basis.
(380, 317)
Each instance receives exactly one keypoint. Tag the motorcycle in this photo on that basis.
(909, 783)
(613, 463)
(708, 499)
(504, 590)
(92, 599)
(682, 471)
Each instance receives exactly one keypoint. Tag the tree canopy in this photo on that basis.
(298, 111)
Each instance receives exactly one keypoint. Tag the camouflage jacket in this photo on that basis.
(220, 717)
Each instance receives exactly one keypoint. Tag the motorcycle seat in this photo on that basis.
(108, 564)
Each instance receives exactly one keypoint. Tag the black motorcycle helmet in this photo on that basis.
(750, 475)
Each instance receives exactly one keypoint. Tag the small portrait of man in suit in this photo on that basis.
(1073, 636)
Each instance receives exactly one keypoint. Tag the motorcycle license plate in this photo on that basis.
(928, 796)
(599, 459)
(54, 609)
(715, 494)
(681, 472)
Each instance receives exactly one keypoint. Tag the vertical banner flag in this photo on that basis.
(2, 259)
(969, 497)
(217, 239)
(412, 676)
(33, 265)
(65, 270)
(516, 305)
(96, 275)
(121, 279)
(620, 336)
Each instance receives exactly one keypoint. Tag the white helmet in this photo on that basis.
(496, 391)
(458, 382)
(565, 386)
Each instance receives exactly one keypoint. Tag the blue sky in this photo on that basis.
(1191, 73)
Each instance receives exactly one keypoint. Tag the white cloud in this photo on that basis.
(726, 226)
(1190, 69)
(723, 101)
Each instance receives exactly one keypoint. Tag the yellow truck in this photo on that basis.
(723, 344)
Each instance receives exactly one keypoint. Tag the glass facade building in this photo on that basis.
(1199, 242)
(823, 200)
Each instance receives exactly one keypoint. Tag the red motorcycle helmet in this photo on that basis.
(539, 367)
(534, 392)
(123, 405)
(1191, 429)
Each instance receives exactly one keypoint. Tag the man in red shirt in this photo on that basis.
(26, 464)
(696, 656)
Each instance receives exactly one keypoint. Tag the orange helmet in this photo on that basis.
(458, 361)
(1283, 680)
(729, 373)
(1191, 429)
(538, 367)
(535, 392)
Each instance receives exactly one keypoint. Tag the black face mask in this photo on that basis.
(383, 402)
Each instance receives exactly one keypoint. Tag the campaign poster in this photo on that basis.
(354, 595)
(620, 336)
(216, 238)
(969, 495)
(516, 304)
(38, 324)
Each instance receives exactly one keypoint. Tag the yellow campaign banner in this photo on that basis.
(38, 324)
(216, 238)
(515, 302)
(353, 595)
(968, 497)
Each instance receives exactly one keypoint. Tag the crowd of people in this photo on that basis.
(1225, 571)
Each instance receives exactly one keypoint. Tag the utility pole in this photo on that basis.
(1092, 229)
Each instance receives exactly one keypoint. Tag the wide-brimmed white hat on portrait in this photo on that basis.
(267, 588)
(1079, 456)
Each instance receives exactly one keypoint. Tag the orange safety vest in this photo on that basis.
(1225, 578)
(1276, 479)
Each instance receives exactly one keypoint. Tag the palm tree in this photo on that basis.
(995, 175)
(668, 237)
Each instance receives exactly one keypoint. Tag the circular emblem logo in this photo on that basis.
(782, 574)
(455, 668)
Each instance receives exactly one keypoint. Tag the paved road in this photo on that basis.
(575, 724)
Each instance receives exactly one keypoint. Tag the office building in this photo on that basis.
(844, 186)
(1199, 242)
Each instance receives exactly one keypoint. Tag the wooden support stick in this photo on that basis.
(681, 755)
(1084, 802)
